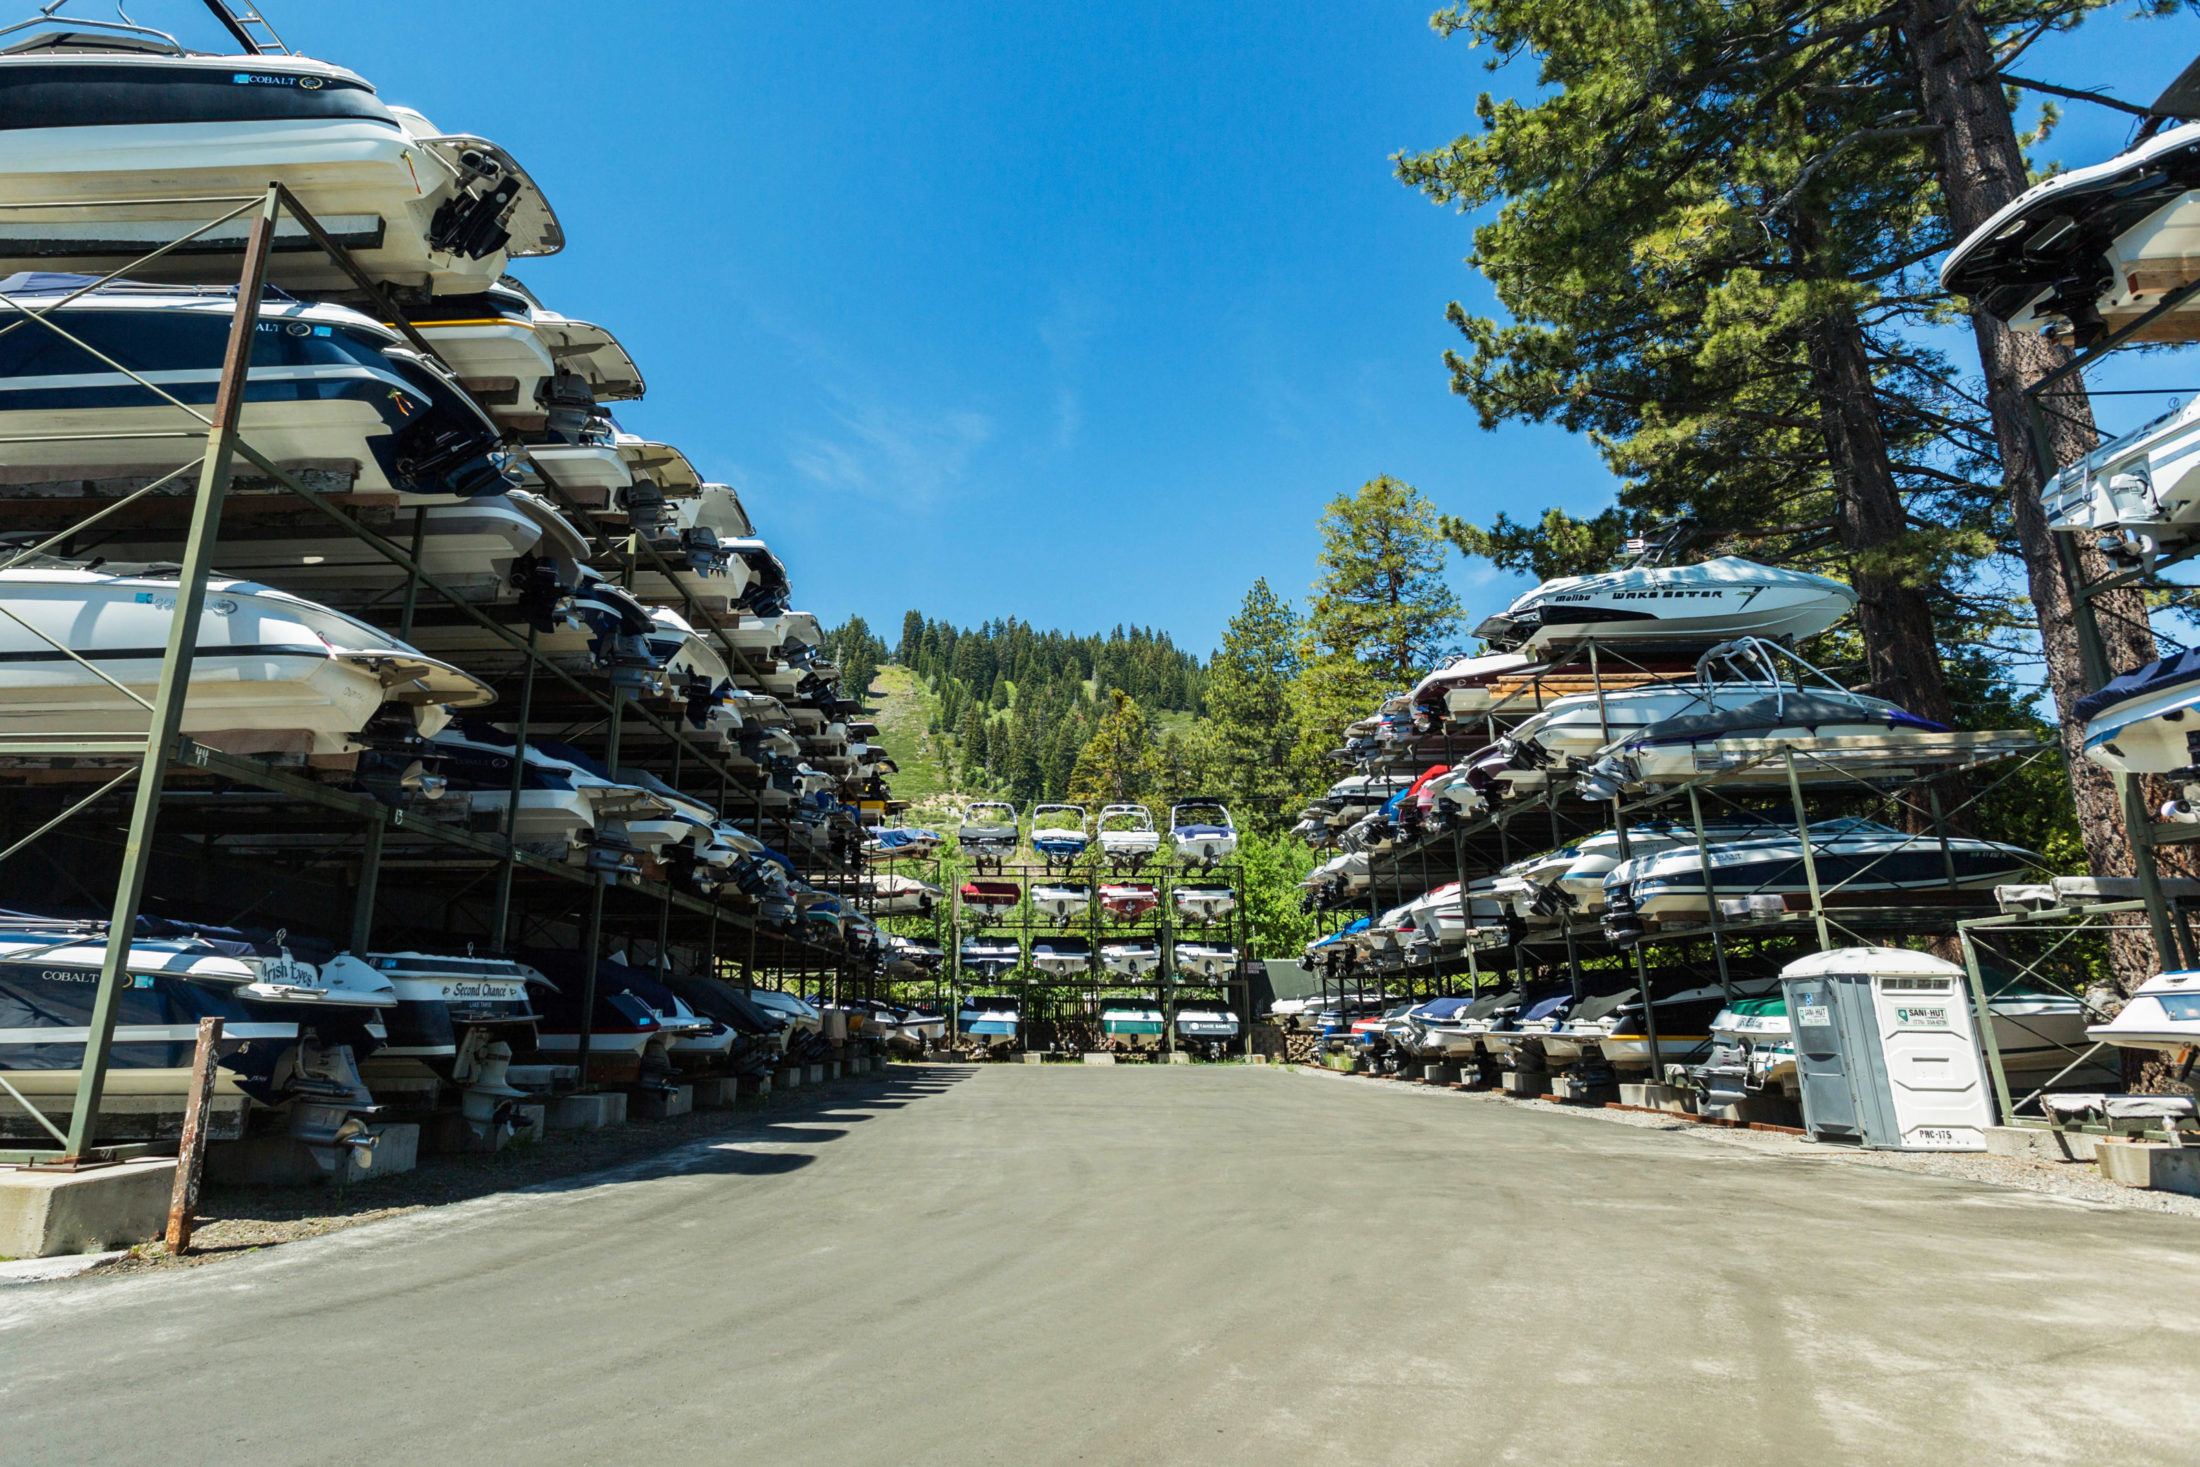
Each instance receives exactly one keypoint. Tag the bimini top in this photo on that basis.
(1811, 710)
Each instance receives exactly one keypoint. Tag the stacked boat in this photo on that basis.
(438, 546)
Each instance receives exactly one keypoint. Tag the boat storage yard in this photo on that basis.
(406, 769)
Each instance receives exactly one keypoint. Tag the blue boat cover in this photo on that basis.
(2138, 683)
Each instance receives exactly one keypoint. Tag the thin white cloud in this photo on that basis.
(891, 453)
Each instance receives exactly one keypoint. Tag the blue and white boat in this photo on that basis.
(1202, 832)
(1061, 957)
(327, 385)
(1205, 1028)
(2144, 722)
(992, 1020)
(1059, 833)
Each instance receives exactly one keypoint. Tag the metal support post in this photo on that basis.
(370, 878)
(1810, 859)
(502, 925)
(592, 937)
(175, 675)
(1985, 1020)
(1710, 893)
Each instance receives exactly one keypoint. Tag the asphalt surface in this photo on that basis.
(1164, 1265)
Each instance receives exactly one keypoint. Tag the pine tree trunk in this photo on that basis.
(1981, 169)
(1901, 650)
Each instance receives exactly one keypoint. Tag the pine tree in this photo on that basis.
(1119, 763)
(1381, 615)
(1248, 698)
(912, 638)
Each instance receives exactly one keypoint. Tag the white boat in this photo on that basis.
(534, 370)
(274, 674)
(1470, 686)
(1670, 607)
(990, 957)
(2143, 721)
(130, 131)
(1205, 962)
(2087, 251)
(1138, 958)
(1203, 904)
(1061, 957)
(1060, 901)
(2163, 1016)
(1202, 833)
(2137, 495)
(1752, 1054)
(900, 842)
(892, 894)
(328, 388)
(1127, 836)
(565, 802)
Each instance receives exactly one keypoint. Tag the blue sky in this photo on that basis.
(1077, 313)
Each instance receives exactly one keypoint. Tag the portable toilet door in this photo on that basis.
(1886, 1050)
(1842, 1099)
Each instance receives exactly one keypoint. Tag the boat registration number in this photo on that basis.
(1817, 1014)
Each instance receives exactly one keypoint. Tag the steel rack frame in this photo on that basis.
(164, 749)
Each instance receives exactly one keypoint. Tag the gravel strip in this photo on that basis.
(2076, 1182)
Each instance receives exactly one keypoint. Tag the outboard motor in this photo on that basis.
(700, 544)
(471, 222)
(569, 404)
(644, 504)
(327, 1101)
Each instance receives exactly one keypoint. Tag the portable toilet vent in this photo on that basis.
(1886, 1051)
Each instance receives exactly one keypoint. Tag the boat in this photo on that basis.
(443, 1004)
(992, 1020)
(1853, 858)
(2143, 721)
(1610, 1026)
(988, 833)
(1059, 833)
(1205, 1028)
(1128, 838)
(1127, 901)
(1140, 957)
(990, 957)
(1471, 685)
(1131, 1025)
(1518, 1043)
(294, 1029)
(535, 372)
(895, 895)
(1204, 962)
(2137, 495)
(328, 387)
(1061, 957)
(2163, 1017)
(131, 136)
(1461, 1034)
(1437, 1031)
(1578, 885)
(1843, 736)
(1656, 609)
(2086, 252)
(1059, 901)
(1202, 833)
(627, 1042)
(1204, 905)
(989, 901)
(1752, 1054)
(273, 675)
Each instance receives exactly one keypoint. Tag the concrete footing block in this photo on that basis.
(1034, 1059)
(587, 1112)
(1658, 1097)
(1256, 1059)
(660, 1105)
(815, 1076)
(2038, 1143)
(1525, 1082)
(1179, 1057)
(714, 1094)
(280, 1161)
(790, 1078)
(47, 1213)
(2155, 1165)
(833, 1069)
(1440, 1074)
(1099, 1057)
(755, 1087)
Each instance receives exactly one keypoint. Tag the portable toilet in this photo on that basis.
(1886, 1050)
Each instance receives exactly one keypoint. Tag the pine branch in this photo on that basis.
(2076, 96)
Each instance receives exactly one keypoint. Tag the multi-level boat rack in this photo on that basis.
(1811, 789)
(339, 862)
